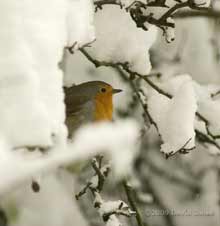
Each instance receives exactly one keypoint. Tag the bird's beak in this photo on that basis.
(116, 91)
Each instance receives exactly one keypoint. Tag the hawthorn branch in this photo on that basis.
(206, 138)
(125, 67)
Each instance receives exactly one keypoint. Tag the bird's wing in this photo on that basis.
(79, 110)
(75, 103)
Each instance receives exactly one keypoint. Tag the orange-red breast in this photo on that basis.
(87, 102)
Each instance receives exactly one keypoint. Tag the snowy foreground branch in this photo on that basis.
(119, 141)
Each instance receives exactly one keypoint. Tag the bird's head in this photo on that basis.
(102, 93)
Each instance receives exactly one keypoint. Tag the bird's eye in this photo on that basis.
(103, 90)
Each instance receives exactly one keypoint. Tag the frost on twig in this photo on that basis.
(108, 210)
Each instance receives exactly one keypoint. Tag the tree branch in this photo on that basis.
(207, 138)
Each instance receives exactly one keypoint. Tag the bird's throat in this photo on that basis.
(103, 108)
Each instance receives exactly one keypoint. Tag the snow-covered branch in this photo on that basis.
(108, 210)
(155, 12)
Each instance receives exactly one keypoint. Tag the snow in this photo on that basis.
(172, 85)
(80, 17)
(111, 206)
(105, 207)
(28, 64)
(31, 82)
(115, 33)
(118, 140)
(53, 205)
(169, 114)
(175, 117)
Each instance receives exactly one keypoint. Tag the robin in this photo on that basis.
(88, 102)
